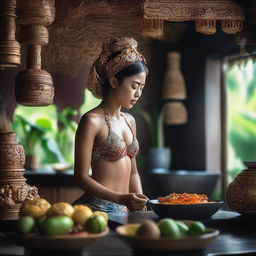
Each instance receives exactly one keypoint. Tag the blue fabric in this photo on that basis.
(99, 204)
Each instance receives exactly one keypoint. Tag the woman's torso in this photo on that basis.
(112, 152)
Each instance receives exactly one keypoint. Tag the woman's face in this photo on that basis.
(130, 90)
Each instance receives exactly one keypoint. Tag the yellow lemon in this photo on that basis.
(35, 208)
(61, 208)
(81, 214)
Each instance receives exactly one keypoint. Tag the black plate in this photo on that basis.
(188, 212)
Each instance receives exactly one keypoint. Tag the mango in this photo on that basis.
(61, 208)
(96, 224)
(57, 225)
(81, 214)
(25, 225)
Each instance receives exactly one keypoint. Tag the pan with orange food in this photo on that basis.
(185, 206)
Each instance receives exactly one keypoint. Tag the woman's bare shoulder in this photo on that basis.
(92, 118)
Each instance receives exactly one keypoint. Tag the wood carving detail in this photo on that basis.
(81, 26)
(10, 195)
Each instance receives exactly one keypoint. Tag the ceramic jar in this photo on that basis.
(241, 193)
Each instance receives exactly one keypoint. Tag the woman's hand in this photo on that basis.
(133, 201)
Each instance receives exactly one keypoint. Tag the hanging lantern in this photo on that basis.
(34, 86)
(174, 84)
(9, 47)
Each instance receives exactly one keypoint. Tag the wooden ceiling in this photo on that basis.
(80, 26)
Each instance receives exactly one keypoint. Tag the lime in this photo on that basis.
(182, 227)
(25, 225)
(96, 223)
(57, 225)
(169, 228)
(197, 228)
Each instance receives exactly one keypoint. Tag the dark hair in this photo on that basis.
(131, 70)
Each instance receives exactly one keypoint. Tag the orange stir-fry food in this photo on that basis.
(184, 198)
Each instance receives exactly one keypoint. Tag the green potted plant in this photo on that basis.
(33, 138)
(66, 133)
(159, 156)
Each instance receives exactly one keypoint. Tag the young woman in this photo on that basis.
(106, 137)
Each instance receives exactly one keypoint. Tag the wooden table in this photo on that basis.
(237, 237)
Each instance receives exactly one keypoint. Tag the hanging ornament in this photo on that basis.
(34, 86)
(174, 83)
(9, 47)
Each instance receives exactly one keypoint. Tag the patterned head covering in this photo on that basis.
(117, 54)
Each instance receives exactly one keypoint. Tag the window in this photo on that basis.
(240, 108)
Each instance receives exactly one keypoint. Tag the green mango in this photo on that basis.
(57, 225)
(96, 223)
(25, 225)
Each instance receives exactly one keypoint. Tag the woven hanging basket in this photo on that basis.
(175, 113)
(174, 83)
(34, 87)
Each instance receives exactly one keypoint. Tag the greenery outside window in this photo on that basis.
(240, 91)
(49, 134)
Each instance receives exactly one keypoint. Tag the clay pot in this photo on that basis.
(13, 187)
(241, 193)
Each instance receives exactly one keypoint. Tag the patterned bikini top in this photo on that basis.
(114, 147)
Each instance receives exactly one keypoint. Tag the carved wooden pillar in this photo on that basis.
(13, 187)
(34, 86)
(9, 47)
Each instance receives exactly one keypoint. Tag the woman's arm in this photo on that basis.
(135, 182)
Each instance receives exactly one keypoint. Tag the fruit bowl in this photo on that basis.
(165, 243)
(185, 212)
(76, 241)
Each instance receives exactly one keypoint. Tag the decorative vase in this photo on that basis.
(241, 193)
(159, 158)
(13, 187)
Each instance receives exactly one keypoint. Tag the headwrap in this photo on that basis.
(117, 54)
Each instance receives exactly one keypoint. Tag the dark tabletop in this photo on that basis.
(237, 237)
